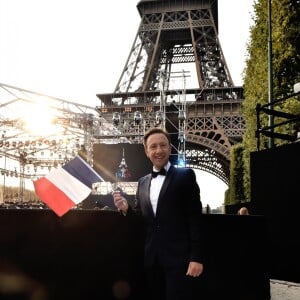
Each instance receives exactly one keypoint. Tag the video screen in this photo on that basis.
(121, 162)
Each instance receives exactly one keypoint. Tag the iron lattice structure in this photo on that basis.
(29, 153)
(177, 41)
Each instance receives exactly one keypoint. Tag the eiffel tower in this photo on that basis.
(176, 46)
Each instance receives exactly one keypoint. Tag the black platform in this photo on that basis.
(275, 185)
(91, 254)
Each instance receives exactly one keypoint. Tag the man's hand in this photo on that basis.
(195, 269)
(120, 202)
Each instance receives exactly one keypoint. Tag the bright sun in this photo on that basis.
(39, 120)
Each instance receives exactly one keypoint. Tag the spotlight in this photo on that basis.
(159, 117)
(181, 137)
(181, 115)
(181, 160)
(116, 118)
(137, 117)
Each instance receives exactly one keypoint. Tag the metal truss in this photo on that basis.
(173, 34)
(175, 39)
(211, 126)
(177, 33)
(27, 154)
(208, 161)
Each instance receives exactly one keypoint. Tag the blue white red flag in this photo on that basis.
(64, 188)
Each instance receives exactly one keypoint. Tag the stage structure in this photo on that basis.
(27, 149)
(176, 77)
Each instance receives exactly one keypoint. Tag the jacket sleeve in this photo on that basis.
(194, 215)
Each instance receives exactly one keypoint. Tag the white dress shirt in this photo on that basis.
(155, 187)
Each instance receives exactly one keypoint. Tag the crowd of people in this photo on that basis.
(20, 204)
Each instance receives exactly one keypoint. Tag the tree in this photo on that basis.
(286, 71)
(236, 185)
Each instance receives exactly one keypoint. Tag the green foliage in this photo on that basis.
(226, 197)
(236, 186)
(285, 71)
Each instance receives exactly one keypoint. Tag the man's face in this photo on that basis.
(158, 150)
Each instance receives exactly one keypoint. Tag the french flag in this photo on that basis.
(64, 188)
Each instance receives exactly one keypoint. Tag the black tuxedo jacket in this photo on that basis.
(173, 235)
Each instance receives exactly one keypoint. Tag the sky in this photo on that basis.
(75, 49)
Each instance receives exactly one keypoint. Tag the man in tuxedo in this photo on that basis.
(169, 202)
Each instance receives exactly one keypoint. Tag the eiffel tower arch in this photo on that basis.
(176, 76)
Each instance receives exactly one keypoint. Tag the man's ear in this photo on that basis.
(145, 149)
(146, 154)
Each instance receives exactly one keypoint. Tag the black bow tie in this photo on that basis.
(161, 172)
